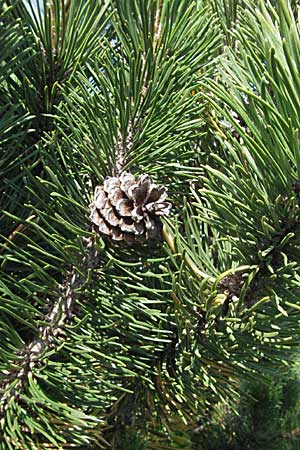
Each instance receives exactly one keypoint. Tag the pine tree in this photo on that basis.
(117, 322)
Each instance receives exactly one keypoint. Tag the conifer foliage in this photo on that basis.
(194, 104)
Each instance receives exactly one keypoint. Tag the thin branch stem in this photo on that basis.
(19, 228)
(123, 148)
(59, 315)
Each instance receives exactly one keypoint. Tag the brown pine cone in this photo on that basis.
(128, 209)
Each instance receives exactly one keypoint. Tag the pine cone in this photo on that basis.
(128, 209)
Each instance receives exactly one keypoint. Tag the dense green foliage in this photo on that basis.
(95, 338)
(267, 417)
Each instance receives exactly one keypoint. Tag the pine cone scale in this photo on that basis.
(108, 213)
(124, 207)
(126, 181)
(115, 195)
(100, 197)
(157, 193)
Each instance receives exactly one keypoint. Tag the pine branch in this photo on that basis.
(53, 328)
(123, 148)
